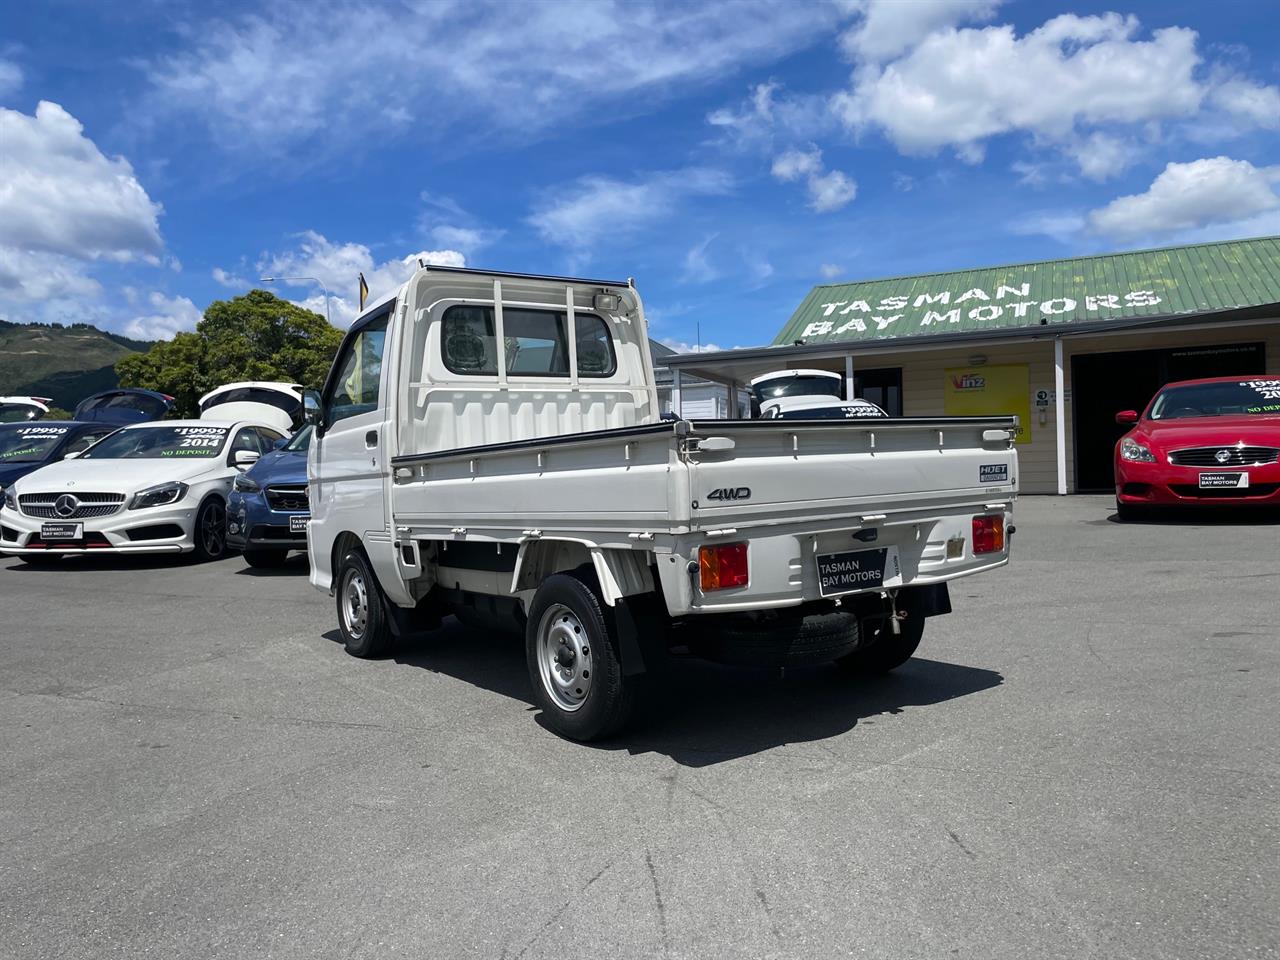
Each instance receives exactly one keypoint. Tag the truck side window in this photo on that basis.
(536, 343)
(355, 388)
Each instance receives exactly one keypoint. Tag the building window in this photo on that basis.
(882, 386)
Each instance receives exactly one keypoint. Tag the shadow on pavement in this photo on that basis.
(701, 713)
(1199, 517)
(112, 561)
(295, 566)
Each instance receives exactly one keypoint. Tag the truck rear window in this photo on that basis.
(536, 343)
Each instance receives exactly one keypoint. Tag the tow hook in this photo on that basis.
(896, 616)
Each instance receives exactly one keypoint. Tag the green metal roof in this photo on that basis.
(1203, 278)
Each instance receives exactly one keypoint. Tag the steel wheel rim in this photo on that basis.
(564, 658)
(355, 605)
(211, 529)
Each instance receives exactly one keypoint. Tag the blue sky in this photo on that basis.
(157, 156)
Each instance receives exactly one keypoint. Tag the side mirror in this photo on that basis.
(246, 458)
(279, 443)
(1125, 417)
(312, 407)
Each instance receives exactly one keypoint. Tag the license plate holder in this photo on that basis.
(61, 532)
(1232, 480)
(851, 570)
(298, 524)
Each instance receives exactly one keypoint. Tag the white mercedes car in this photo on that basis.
(158, 487)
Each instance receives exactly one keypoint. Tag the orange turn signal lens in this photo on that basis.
(988, 534)
(722, 566)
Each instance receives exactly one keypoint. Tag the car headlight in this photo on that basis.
(10, 500)
(1131, 449)
(158, 496)
(244, 484)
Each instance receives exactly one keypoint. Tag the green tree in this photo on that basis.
(254, 337)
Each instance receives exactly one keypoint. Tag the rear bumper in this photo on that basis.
(1163, 484)
(783, 566)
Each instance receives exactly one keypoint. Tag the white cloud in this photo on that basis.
(265, 82)
(59, 194)
(63, 207)
(229, 279)
(888, 27)
(594, 208)
(830, 271)
(831, 191)
(1255, 104)
(451, 227)
(10, 78)
(769, 113)
(1102, 156)
(338, 266)
(959, 87)
(795, 164)
(33, 278)
(169, 315)
(697, 268)
(682, 346)
(1187, 196)
(828, 189)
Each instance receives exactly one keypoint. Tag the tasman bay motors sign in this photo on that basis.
(1003, 305)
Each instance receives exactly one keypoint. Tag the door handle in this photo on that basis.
(371, 438)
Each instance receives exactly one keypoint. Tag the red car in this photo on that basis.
(1200, 442)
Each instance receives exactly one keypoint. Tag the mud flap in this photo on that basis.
(640, 633)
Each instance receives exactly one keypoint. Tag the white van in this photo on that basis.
(490, 445)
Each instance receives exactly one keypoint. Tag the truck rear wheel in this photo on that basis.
(362, 617)
(886, 650)
(573, 661)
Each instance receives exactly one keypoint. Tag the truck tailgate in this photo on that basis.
(783, 471)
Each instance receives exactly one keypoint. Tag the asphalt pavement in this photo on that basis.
(1082, 761)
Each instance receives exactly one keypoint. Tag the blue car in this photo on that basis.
(267, 510)
(26, 447)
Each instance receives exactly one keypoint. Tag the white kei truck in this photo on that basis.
(489, 445)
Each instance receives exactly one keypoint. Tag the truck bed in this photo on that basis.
(793, 489)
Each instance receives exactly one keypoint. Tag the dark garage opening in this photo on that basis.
(1103, 384)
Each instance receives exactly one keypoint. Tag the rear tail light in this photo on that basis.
(722, 566)
(988, 534)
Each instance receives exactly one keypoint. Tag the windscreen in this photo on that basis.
(1231, 399)
(801, 386)
(160, 443)
(300, 442)
(30, 443)
(19, 412)
(150, 408)
(840, 411)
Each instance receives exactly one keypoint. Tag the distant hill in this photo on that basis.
(66, 363)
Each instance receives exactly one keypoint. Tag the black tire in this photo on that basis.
(1126, 513)
(362, 612)
(885, 650)
(783, 640)
(265, 558)
(570, 637)
(210, 534)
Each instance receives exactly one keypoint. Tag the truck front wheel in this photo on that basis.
(573, 661)
(362, 618)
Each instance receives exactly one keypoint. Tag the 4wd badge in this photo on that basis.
(730, 493)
